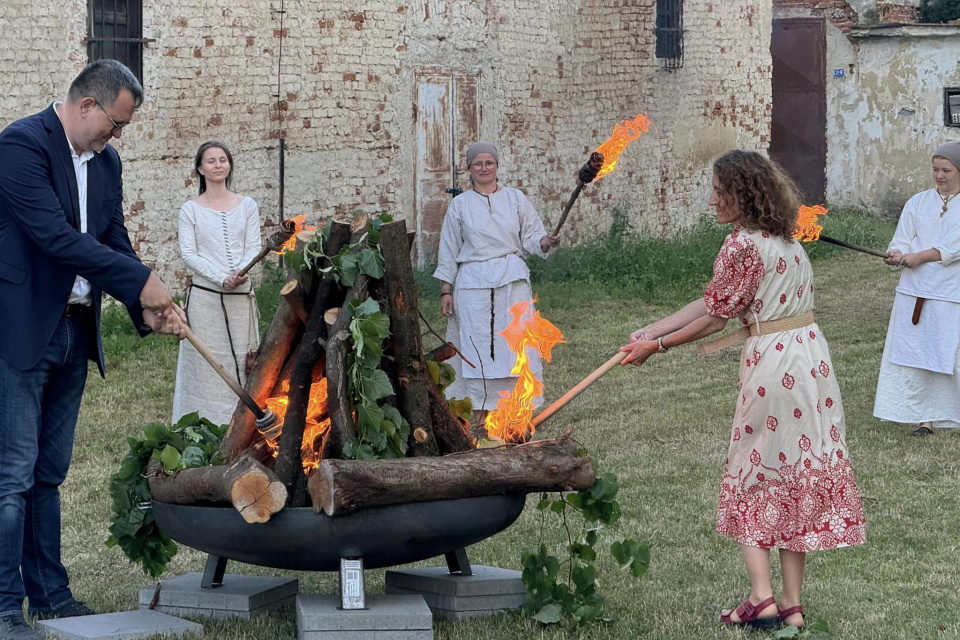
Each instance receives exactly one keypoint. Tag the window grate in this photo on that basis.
(115, 30)
(669, 32)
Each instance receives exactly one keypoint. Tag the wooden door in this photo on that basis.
(447, 122)
(798, 132)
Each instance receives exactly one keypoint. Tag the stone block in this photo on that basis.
(488, 591)
(389, 617)
(240, 596)
(123, 625)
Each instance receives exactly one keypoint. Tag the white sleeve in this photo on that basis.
(187, 240)
(251, 241)
(451, 241)
(531, 227)
(906, 227)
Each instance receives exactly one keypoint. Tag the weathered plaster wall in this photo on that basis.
(555, 77)
(903, 71)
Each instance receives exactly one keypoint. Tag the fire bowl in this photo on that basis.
(301, 540)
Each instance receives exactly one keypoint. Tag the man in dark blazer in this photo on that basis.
(62, 245)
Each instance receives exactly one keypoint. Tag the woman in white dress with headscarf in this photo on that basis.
(920, 370)
(218, 233)
(487, 232)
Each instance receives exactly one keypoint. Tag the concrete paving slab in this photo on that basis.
(488, 591)
(241, 596)
(123, 625)
(388, 617)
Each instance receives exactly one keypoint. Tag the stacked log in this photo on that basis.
(308, 340)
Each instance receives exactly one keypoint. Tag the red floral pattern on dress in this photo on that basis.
(799, 507)
(824, 369)
(757, 305)
(812, 335)
(813, 373)
(781, 266)
(761, 391)
(779, 346)
(772, 423)
(736, 435)
(828, 402)
(799, 339)
(797, 258)
(787, 381)
(799, 292)
(737, 272)
(834, 433)
(804, 443)
(756, 357)
(797, 413)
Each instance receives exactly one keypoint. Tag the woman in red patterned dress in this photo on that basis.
(787, 481)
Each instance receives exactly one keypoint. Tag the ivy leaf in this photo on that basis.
(365, 452)
(194, 457)
(549, 614)
(171, 460)
(294, 260)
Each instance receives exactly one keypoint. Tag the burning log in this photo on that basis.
(253, 490)
(289, 465)
(604, 159)
(344, 486)
(453, 436)
(271, 355)
(809, 231)
(413, 401)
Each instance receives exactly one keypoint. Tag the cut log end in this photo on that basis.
(257, 497)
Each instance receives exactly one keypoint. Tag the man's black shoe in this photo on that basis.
(72, 610)
(16, 628)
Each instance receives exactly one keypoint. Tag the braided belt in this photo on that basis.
(758, 329)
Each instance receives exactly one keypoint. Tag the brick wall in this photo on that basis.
(555, 77)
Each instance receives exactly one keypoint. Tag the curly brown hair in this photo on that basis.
(760, 189)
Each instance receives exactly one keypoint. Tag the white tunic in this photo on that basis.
(214, 245)
(482, 245)
(918, 373)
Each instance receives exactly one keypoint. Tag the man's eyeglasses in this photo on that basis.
(489, 164)
(116, 125)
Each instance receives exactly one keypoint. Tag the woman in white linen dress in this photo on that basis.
(920, 369)
(487, 232)
(787, 480)
(218, 233)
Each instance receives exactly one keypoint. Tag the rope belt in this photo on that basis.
(226, 318)
(759, 329)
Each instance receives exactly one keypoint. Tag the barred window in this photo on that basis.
(670, 33)
(115, 30)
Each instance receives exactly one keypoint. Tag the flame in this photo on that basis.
(510, 421)
(807, 228)
(315, 427)
(299, 225)
(623, 134)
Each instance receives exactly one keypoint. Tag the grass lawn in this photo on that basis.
(663, 429)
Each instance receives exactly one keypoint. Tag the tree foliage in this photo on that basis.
(939, 10)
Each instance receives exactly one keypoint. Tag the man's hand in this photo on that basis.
(446, 304)
(154, 296)
(172, 320)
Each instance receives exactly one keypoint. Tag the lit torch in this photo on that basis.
(604, 159)
(511, 420)
(281, 240)
(809, 231)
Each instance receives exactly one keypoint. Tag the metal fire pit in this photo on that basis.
(301, 540)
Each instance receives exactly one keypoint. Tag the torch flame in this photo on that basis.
(510, 421)
(807, 228)
(299, 225)
(316, 425)
(623, 134)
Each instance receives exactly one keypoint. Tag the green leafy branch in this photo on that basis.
(382, 431)
(553, 596)
(192, 442)
(443, 376)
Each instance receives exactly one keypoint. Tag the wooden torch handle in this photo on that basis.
(577, 390)
(245, 397)
(568, 206)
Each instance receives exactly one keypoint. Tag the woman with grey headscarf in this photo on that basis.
(920, 371)
(487, 232)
